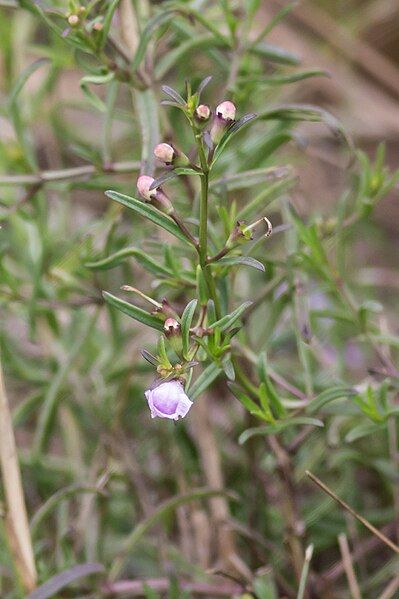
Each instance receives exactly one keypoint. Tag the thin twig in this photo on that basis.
(68, 173)
(136, 588)
(358, 517)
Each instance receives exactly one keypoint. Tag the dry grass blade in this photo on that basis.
(358, 517)
(348, 565)
(16, 517)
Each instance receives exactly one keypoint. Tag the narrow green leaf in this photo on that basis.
(227, 321)
(237, 260)
(150, 28)
(273, 429)
(107, 22)
(118, 257)
(147, 113)
(246, 179)
(58, 582)
(163, 510)
(204, 380)
(328, 396)
(94, 100)
(306, 112)
(186, 320)
(23, 78)
(172, 175)
(274, 53)
(272, 396)
(148, 211)
(52, 502)
(276, 190)
(172, 93)
(133, 311)
(248, 403)
(363, 430)
(231, 132)
(284, 79)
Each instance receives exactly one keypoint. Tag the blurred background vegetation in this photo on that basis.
(75, 122)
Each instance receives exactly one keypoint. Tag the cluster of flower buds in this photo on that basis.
(74, 18)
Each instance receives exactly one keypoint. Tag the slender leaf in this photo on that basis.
(231, 132)
(172, 175)
(58, 582)
(227, 321)
(150, 28)
(273, 429)
(133, 311)
(237, 260)
(328, 396)
(148, 211)
(142, 257)
(204, 380)
(186, 320)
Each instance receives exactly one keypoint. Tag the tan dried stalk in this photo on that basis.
(16, 519)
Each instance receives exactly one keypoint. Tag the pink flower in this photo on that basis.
(226, 110)
(168, 400)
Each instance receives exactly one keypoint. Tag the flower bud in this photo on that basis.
(73, 20)
(168, 400)
(171, 327)
(224, 117)
(203, 112)
(165, 153)
(169, 155)
(98, 26)
(155, 196)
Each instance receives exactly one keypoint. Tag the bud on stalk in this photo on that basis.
(155, 196)
(202, 113)
(170, 156)
(224, 117)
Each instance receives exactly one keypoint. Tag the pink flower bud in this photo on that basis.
(226, 110)
(168, 400)
(165, 153)
(73, 20)
(203, 112)
(143, 185)
(156, 196)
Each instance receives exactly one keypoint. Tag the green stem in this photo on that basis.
(203, 227)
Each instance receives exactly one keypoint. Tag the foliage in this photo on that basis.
(285, 338)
